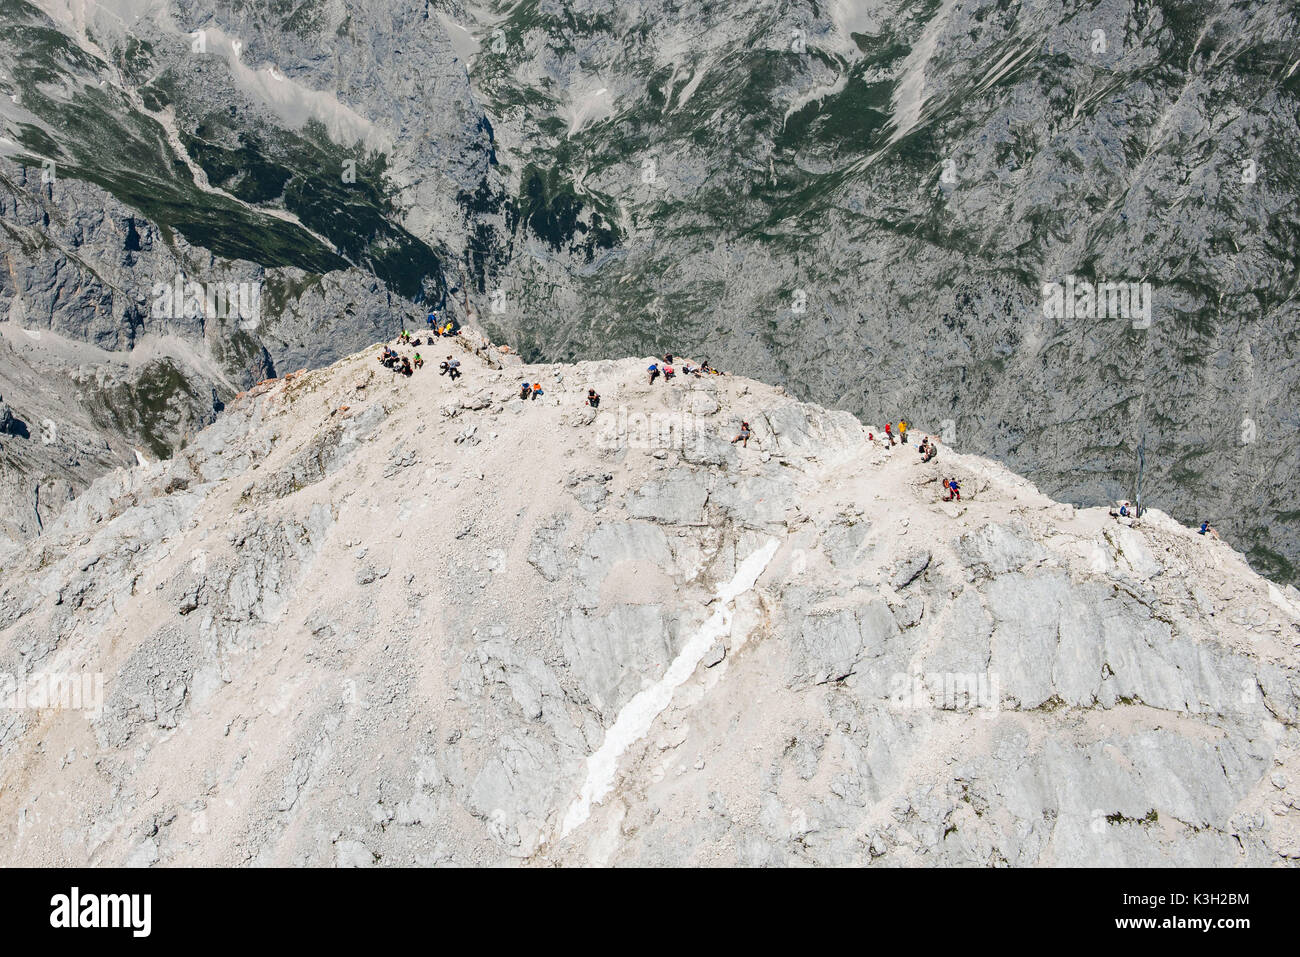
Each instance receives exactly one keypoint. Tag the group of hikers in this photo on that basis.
(392, 359)
(406, 365)
(440, 328)
(528, 390)
(928, 449)
(669, 373)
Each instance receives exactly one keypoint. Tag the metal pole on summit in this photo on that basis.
(1142, 462)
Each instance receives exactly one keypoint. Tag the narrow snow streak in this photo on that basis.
(637, 715)
(909, 95)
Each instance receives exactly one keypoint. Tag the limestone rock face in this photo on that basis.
(329, 633)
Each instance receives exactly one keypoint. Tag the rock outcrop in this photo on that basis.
(366, 620)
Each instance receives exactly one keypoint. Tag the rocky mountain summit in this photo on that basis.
(861, 200)
(364, 619)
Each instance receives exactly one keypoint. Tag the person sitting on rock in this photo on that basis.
(668, 373)
(405, 368)
(1207, 529)
(537, 389)
(525, 390)
(653, 369)
(593, 398)
(743, 437)
(419, 363)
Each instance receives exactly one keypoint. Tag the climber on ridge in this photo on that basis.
(954, 490)
(743, 437)
(525, 390)
(593, 398)
(1207, 529)
(653, 369)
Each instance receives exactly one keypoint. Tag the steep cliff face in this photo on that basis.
(860, 200)
(364, 619)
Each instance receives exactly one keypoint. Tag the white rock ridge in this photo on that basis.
(369, 620)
